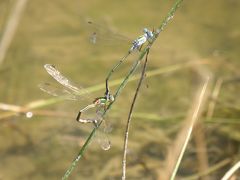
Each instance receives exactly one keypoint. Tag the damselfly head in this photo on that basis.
(148, 33)
(145, 30)
(97, 100)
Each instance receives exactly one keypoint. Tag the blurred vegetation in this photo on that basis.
(202, 33)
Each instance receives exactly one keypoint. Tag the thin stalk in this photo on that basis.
(124, 160)
(210, 170)
(189, 132)
(201, 145)
(231, 171)
(80, 154)
(214, 95)
(11, 28)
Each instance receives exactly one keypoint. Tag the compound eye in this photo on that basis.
(96, 101)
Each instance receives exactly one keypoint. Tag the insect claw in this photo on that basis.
(78, 116)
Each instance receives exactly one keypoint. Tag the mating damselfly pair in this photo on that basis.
(73, 92)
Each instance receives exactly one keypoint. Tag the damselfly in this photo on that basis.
(100, 33)
(72, 92)
(136, 44)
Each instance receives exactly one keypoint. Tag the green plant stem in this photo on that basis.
(124, 160)
(124, 82)
(80, 154)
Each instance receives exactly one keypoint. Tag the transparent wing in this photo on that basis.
(103, 140)
(54, 91)
(100, 34)
(63, 80)
(103, 130)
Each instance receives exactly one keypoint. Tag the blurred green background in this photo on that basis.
(204, 33)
